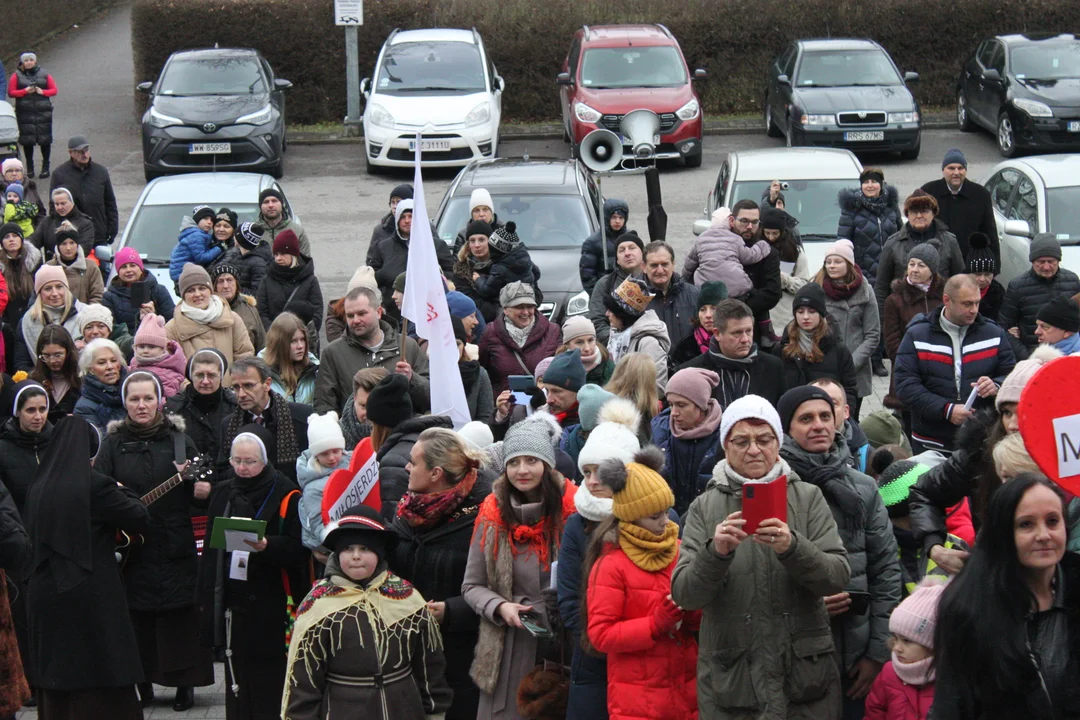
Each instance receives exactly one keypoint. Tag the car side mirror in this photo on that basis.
(103, 253)
(364, 88)
(992, 75)
(564, 79)
(783, 79)
(282, 84)
(500, 83)
(911, 76)
(145, 87)
(1018, 228)
(701, 225)
(700, 74)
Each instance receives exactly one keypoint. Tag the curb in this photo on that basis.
(552, 131)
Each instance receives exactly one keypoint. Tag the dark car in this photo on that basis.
(555, 205)
(1024, 88)
(219, 109)
(842, 93)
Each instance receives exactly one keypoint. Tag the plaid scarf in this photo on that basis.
(423, 511)
(284, 433)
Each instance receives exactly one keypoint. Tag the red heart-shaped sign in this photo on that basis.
(341, 481)
(1049, 416)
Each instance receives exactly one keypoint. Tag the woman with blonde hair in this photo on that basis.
(293, 367)
(1011, 458)
(635, 379)
(811, 347)
(54, 305)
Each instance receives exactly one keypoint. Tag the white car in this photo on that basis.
(440, 83)
(1034, 195)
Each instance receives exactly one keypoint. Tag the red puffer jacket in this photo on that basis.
(648, 679)
(891, 698)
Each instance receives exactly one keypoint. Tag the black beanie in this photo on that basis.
(389, 403)
(402, 192)
(1061, 312)
(796, 396)
(9, 228)
(773, 219)
(630, 237)
(250, 235)
(228, 216)
(980, 257)
(810, 295)
(271, 192)
(477, 227)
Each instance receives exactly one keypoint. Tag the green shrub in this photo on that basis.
(733, 39)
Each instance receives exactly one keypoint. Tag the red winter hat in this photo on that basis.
(286, 243)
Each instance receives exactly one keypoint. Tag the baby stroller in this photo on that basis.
(9, 132)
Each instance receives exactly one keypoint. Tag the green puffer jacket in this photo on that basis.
(765, 647)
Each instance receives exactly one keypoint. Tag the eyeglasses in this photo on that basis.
(52, 356)
(763, 443)
(207, 376)
(246, 386)
(244, 462)
(747, 223)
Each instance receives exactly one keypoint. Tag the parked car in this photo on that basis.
(842, 93)
(811, 179)
(1036, 195)
(216, 109)
(1025, 89)
(614, 69)
(155, 220)
(441, 83)
(555, 204)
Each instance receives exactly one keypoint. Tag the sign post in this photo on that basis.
(350, 15)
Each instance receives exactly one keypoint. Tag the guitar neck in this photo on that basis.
(156, 494)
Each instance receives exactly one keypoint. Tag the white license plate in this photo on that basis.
(626, 141)
(210, 148)
(1074, 126)
(437, 145)
(863, 136)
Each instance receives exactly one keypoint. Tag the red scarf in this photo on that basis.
(423, 511)
(702, 336)
(572, 414)
(839, 291)
(982, 293)
(538, 539)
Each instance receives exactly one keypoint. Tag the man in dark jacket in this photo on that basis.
(91, 187)
(745, 220)
(1027, 293)
(675, 300)
(965, 207)
(734, 356)
(275, 217)
(616, 213)
(629, 261)
(389, 256)
(385, 227)
(931, 383)
(818, 454)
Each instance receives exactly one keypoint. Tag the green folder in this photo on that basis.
(221, 524)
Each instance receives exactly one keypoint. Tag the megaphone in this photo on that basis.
(640, 127)
(601, 150)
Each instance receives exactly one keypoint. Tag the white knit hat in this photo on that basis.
(746, 408)
(480, 198)
(324, 433)
(363, 277)
(477, 434)
(95, 313)
(615, 434)
(1022, 372)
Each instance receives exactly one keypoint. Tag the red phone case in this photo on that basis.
(768, 500)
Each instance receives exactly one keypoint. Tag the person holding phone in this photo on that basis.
(134, 292)
(818, 453)
(765, 643)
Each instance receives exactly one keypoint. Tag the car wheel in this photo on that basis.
(1006, 137)
(914, 153)
(770, 127)
(372, 168)
(963, 120)
(151, 175)
(278, 171)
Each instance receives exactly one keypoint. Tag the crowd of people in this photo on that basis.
(583, 548)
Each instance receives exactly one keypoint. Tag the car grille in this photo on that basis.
(668, 121)
(853, 118)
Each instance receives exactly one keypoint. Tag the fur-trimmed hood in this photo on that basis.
(178, 423)
(911, 295)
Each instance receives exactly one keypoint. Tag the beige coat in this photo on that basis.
(84, 278)
(226, 334)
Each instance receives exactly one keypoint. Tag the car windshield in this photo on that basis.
(1046, 62)
(543, 221)
(1061, 204)
(154, 230)
(213, 76)
(632, 67)
(848, 68)
(431, 66)
(811, 202)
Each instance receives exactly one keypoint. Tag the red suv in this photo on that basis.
(613, 69)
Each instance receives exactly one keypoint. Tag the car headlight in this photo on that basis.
(161, 120)
(478, 115)
(585, 113)
(1034, 108)
(378, 115)
(579, 304)
(689, 111)
(259, 117)
(818, 120)
(904, 117)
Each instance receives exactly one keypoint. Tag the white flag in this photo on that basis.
(425, 306)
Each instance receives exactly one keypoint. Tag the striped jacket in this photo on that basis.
(926, 372)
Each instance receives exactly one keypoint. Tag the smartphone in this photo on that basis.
(140, 294)
(521, 383)
(531, 621)
(860, 603)
(763, 500)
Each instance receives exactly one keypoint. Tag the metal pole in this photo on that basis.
(603, 225)
(352, 75)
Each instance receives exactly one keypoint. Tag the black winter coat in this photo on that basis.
(894, 255)
(34, 112)
(1026, 295)
(44, 235)
(505, 268)
(393, 456)
(765, 276)
(252, 266)
(284, 285)
(763, 376)
(434, 560)
(20, 456)
(837, 364)
(868, 224)
(388, 257)
(966, 212)
(990, 307)
(117, 298)
(298, 415)
(677, 309)
(203, 427)
(592, 252)
(160, 574)
(93, 192)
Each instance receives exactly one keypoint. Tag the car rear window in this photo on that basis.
(154, 230)
(637, 67)
(548, 221)
(431, 67)
(216, 76)
(1046, 62)
(847, 68)
(811, 202)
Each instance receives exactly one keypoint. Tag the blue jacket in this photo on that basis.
(688, 464)
(193, 246)
(868, 225)
(924, 376)
(100, 404)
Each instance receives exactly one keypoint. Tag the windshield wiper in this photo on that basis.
(817, 236)
(435, 87)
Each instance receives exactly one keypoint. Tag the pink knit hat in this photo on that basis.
(844, 249)
(542, 366)
(47, 274)
(694, 384)
(127, 255)
(916, 617)
(152, 332)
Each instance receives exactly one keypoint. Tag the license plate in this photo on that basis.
(863, 136)
(210, 148)
(626, 141)
(1074, 126)
(436, 145)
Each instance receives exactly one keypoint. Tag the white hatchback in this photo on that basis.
(440, 83)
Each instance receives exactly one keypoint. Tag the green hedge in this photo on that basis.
(25, 24)
(732, 39)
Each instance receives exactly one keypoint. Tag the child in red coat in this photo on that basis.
(904, 689)
(650, 642)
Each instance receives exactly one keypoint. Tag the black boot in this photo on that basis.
(46, 153)
(146, 694)
(879, 367)
(185, 698)
(44, 171)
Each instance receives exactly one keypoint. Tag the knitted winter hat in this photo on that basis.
(882, 428)
(980, 257)
(810, 295)
(1061, 312)
(478, 227)
(843, 248)
(694, 384)
(201, 212)
(12, 164)
(224, 269)
(324, 433)
(928, 254)
(128, 255)
(591, 398)
(505, 238)
(920, 200)
(633, 296)
(793, 399)
(16, 188)
(193, 275)
(566, 371)
(271, 192)
(95, 313)
(630, 237)
(480, 198)
(895, 483)
(953, 156)
(250, 235)
(389, 402)
(1022, 373)
(871, 173)
(916, 617)
(541, 368)
(1044, 245)
(152, 331)
(750, 407)
(399, 283)
(460, 304)
(576, 326)
(712, 293)
(286, 243)
(615, 434)
(533, 437)
(477, 434)
(10, 228)
(402, 192)
(226, 215)
(773, 219)
(47, 274)
(640, 489)
(516, 293)
(363, 277)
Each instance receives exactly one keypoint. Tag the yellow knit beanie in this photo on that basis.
(639, 489)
